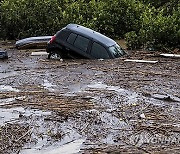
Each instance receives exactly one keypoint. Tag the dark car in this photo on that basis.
(75, 41)
(3, 55)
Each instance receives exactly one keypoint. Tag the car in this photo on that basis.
(76, 41)
(3, 55)
(33, 42)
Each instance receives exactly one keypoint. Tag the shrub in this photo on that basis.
(119, 17)
(157, 29)
(28, 18)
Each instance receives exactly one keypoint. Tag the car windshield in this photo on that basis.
(117, 51)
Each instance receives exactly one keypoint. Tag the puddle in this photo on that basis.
(6, 101)
(12, 114)
(9, 115)
(49, 86)
(101, 127)
(100, 85)
(7, 74)
(80, 88)
(4, 88)
(68, 148)
(120, 94)
(69, 143)
(110, 120)
(77, 88)
(9, 100)
(132, 98)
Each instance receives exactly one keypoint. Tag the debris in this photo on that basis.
(176, 50)
(134, 104)
(140, 61)
(3, 54)
(28, 132)
(13, 136)
(170, 55)
(38, 53)
(8, 88)
(68, 148)
(142, 116)
(166, 97)
(151, 49)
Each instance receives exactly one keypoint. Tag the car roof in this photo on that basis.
(92, 34)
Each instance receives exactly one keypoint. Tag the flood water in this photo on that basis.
(81, 106)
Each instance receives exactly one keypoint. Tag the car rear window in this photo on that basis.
(71, 38)
(98, 51)
(63, 34)
(81, 43)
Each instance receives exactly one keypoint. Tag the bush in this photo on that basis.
(36, 17)
(132, 40)
(29, 18)
(119, 17)
(157, 30)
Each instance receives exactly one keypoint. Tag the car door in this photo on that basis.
(98, 51)
(78, 45)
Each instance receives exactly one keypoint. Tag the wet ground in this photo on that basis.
(88, 106)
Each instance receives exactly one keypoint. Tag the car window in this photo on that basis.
(63, 34)
(98, 51)
(71, 38)
(81, 43)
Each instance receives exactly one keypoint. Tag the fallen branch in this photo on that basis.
(29, 131)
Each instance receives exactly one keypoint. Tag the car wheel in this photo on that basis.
(54, 55)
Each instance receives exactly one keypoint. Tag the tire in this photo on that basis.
(49, 55)
(55, 55)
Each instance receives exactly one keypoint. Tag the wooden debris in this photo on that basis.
(170, 55)
(140, 61)
(166, 97)
(39, 53)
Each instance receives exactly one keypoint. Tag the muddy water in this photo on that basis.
(79, 106)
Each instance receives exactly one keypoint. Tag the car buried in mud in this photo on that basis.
(33, 42)
(75, 41)
(3, 55)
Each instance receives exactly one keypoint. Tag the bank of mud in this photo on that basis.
(89, 106)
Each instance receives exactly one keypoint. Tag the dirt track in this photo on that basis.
(92, 105)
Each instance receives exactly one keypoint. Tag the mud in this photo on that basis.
(89, 106)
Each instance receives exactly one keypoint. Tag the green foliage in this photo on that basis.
(118, 17)
(144, 23)
(20, 18)
(157, 29)
(132, 39)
